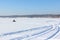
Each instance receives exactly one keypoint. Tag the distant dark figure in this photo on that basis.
(14, 21)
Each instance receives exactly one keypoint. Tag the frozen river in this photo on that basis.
(30, 29)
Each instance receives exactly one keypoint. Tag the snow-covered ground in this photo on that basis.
(30, 29)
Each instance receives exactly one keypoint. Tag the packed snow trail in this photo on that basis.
(29, 32)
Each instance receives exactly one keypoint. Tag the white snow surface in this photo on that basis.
(7, 26)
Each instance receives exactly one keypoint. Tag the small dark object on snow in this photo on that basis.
(14, 21)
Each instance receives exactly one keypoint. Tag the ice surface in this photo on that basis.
(30, 29)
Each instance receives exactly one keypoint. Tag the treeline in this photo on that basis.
(31, 16)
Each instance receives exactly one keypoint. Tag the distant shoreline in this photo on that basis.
(31, 16)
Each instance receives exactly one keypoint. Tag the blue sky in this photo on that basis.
(23, 7)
